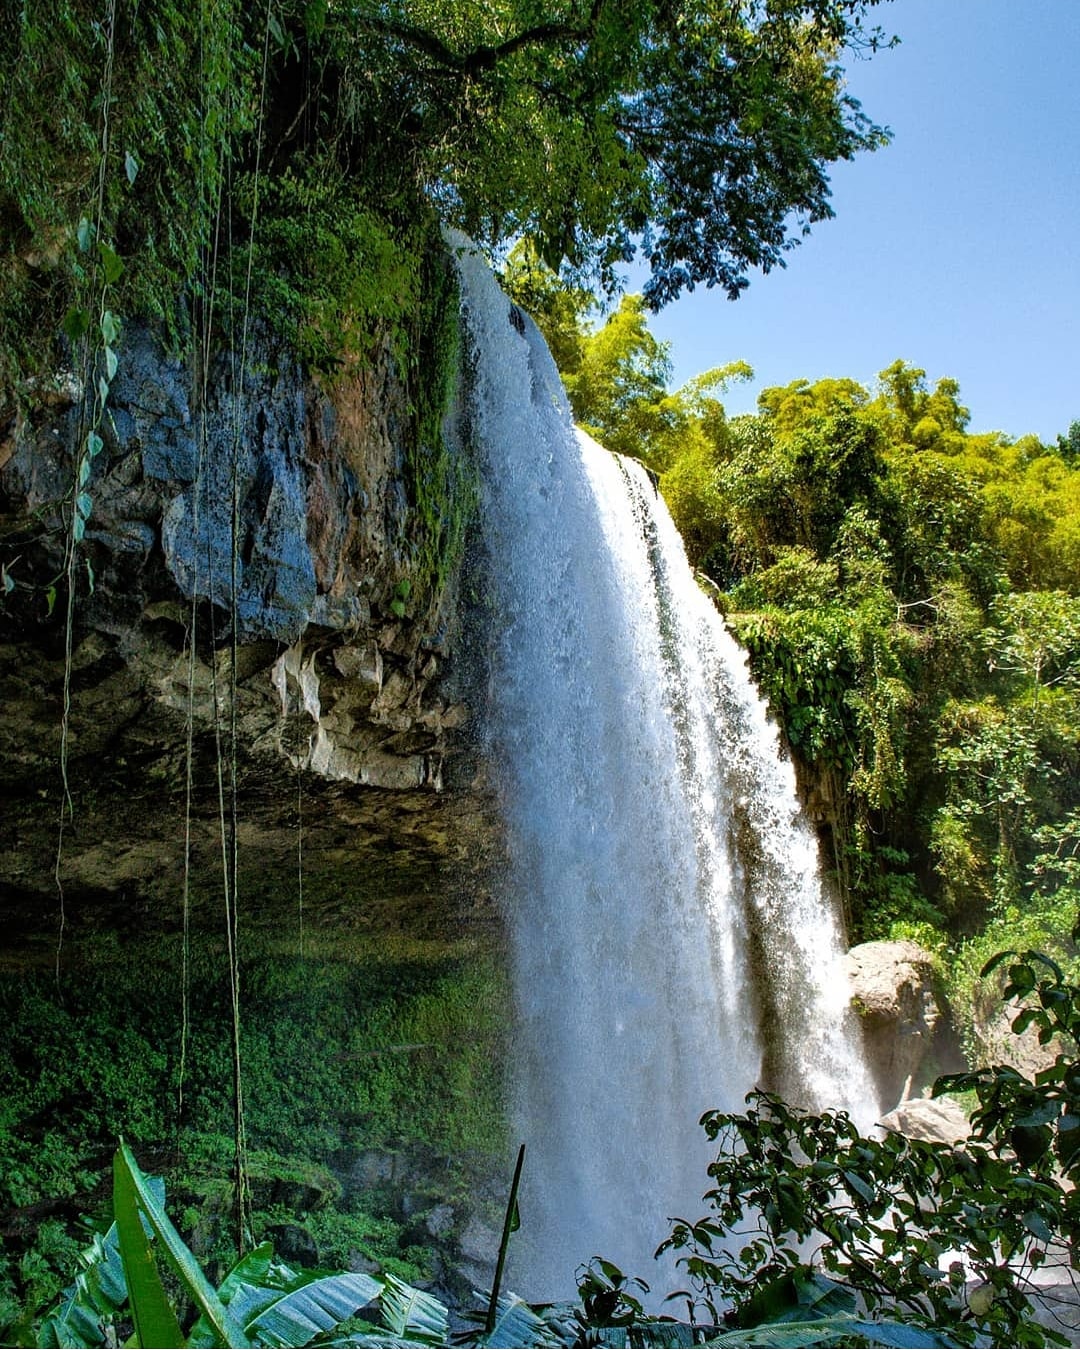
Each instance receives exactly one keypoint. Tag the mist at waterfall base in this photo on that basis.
(671, 943)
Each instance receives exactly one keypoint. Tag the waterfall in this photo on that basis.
(671, 943)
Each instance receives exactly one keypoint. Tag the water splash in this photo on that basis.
(672, 946)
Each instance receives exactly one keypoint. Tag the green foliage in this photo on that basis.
(186, 135)
(866, 545)
(618, 391)
(443, 484)
(339, 1236)
(159, 90)
(560, 311)
(816, 1234)
(893, 1218)
(362, 1049)
(330, 275)
(140, 1215)
(261, 1301)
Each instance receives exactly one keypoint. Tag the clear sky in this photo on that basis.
(956, 248)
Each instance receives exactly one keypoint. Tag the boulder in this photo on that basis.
(900, 1012)
(935, 1119)
(479, 1250)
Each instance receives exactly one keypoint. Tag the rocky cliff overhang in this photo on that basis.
(351, 719)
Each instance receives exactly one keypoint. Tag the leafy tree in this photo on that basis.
(588, 123)
(1010, 758)
(1069, 444)
(698, 135)
(619, 390)
(948, 1237)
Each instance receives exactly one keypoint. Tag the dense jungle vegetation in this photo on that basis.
(909, 595)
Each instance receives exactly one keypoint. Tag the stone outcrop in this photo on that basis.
(900, 1012)
(349, 714)
(935, 1119)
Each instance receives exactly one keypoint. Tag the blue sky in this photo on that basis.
(956, 248)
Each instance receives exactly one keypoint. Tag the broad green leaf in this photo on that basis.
(95, 1296)
(377, 1340)
(155, 1321)
(413, 1314)
(84, 471)
(297, 1316)
(111, 363)
(110, 327)
(1035, 1223)
(131, 166)
(84, 234)
(859, 1186)
(84, 505)
(94, 444)
(1042, 1113)
(195, 1283)
(250, 1271)
(103, 390)
(76, 323)
(830, 1330)
(664, 1334)
(517, 1325)
(78, 527)
(252, 1268)
(821, 1296)
(245, 1303)
(50, 600)
(111, 264)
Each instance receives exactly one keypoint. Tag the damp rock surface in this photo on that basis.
(351, 718)
(901, 1011)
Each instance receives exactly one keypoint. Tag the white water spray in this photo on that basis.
(671, 943)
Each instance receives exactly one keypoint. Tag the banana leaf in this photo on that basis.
(375, 1340)
(152, 1313)
(252, 1269)
(227, 1330)
(315, 1306)
(96, 1295)
(833, 1331)
(516, 1325)
(663, 1333)
(413, 1315)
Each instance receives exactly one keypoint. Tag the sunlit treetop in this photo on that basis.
(695, 133)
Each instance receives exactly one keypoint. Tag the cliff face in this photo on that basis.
(350, 708)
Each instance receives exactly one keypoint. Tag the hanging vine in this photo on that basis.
(104, 268)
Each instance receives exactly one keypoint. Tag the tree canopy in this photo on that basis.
(696, 135)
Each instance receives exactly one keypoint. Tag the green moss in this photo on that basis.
(363, 1047)
(443, 484)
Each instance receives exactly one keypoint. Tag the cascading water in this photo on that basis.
(671, 943)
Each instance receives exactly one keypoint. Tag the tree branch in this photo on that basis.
(486, 57)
